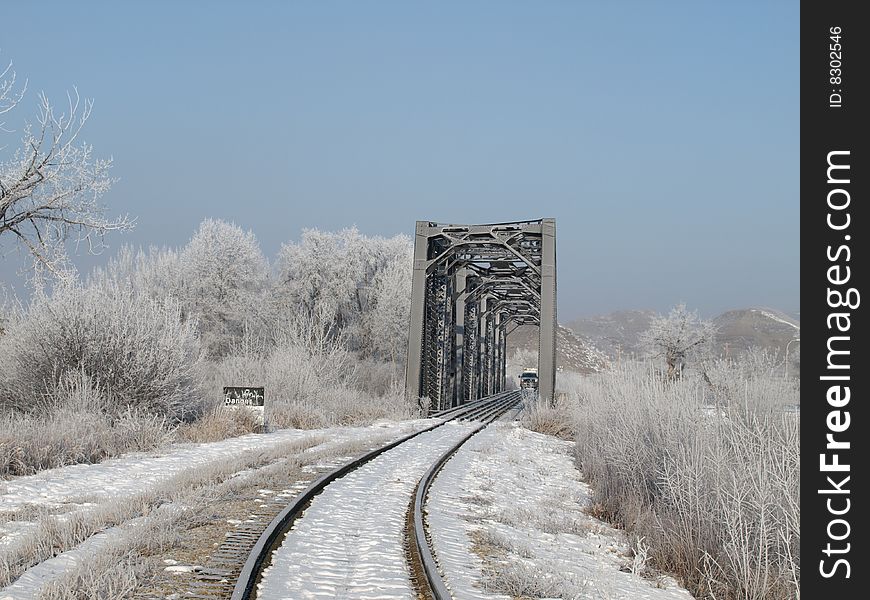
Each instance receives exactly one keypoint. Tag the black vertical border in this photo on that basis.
(825, 129)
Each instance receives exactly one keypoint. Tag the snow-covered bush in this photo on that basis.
(705, 470)
(306, 385)
(135, 351)
(378, 378)
(77, 430)
(155, 273)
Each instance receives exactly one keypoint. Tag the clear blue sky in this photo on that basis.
(662, 136)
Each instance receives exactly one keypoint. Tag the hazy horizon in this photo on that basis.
(663, 139)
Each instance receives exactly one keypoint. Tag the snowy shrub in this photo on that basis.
(704, 469)
(311, 379)
(551, 420)
(377, 378)
(218, 424)
(155, 273)
(135, 351)
(10, 309)
(70, 436)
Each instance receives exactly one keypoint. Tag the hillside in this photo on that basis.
(615, 333)
(738, 331)
(573, 352)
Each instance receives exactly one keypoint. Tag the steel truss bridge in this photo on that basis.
(473, 285)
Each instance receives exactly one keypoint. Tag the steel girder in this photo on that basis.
(472, 286)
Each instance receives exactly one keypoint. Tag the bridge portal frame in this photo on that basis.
(472, 286)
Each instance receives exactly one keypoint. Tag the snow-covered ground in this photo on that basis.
(86, 489)
(348, 543)
(506, 516)
(773, 317)
(135, 472)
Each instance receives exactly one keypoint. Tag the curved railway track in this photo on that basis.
(425, 579)
(435, 587)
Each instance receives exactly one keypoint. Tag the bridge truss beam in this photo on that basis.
(472, 286)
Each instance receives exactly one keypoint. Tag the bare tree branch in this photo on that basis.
(51, 185)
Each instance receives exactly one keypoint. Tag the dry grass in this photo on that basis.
(520, 579)
(218, 424)
(29, 444)
(110, 577)
(550, 420)
(59, 534)
(705, 472)
(131, 562)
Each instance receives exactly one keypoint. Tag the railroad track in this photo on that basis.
(260, 577)
(433, 585)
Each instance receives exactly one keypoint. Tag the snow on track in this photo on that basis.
(516, 497)
(348, 543)
(86, 484)
(133, 472)
(87, 487)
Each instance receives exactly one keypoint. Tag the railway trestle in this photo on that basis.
(472, 286)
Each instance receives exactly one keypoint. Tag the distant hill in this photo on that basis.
(616, 333)
(573, 352)
(738, 331)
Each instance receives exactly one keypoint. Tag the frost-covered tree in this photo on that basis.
(222, 280)
(386, 323)
(155, 272)
(335, 279)
(319, 276)
(50, 182)
(678, 337)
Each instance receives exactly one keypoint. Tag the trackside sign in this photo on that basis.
(250, 398)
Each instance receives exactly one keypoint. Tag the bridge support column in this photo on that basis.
(460, 294)
(547, 340)
(414, 365)
(472, 352)
(502, 369)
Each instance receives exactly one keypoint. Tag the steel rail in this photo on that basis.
(482, 413)
(468, 412)
(448, 411)
(499, 409)
(435, 581)
(258, 559)
(469, 406)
